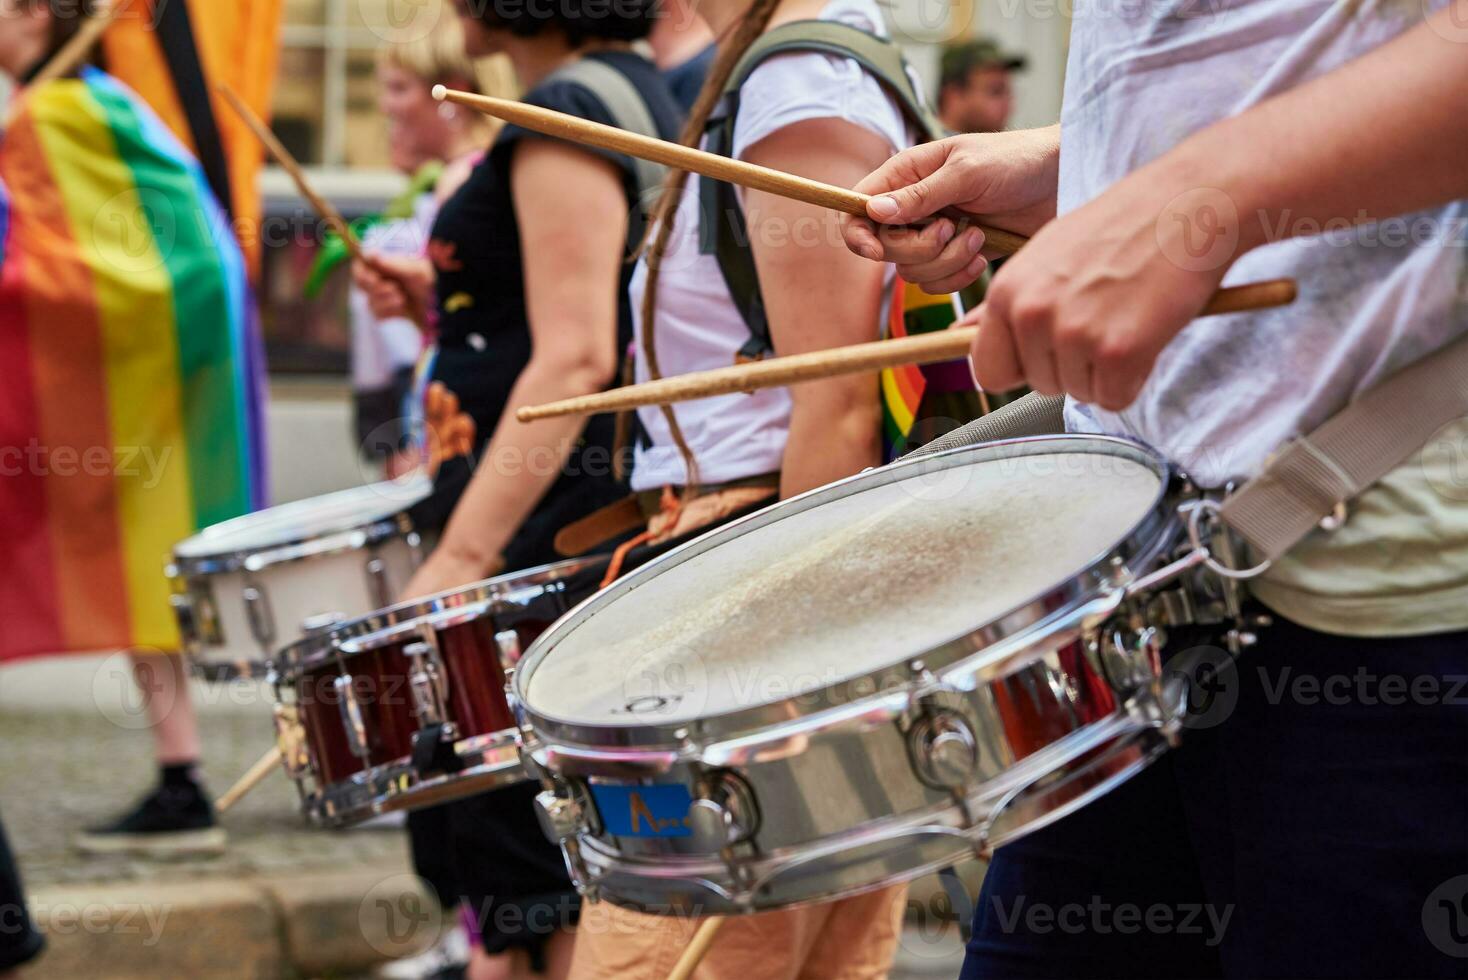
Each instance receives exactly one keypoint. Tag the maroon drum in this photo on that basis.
(406, 707)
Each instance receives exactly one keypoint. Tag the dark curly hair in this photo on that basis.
(579, 20)
(67, 17)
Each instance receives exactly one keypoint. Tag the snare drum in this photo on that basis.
(245, 588)
(863, 684)
(406, 707)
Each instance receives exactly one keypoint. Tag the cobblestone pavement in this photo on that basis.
(65, 770)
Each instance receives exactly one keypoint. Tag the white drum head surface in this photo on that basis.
(304, 520)
(842, 589)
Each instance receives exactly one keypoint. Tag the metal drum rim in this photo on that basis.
(1146, 540)
(331, 541)
(471, 601)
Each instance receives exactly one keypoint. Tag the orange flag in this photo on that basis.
(237, 44)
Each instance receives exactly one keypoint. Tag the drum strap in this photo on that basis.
(1312, 477)
(629, 110)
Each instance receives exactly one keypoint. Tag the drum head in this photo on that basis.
(305, 520)
(843, 582)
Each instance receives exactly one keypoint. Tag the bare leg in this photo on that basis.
(163, 682)
(176, 816)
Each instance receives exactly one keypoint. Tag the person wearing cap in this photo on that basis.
(975, 89)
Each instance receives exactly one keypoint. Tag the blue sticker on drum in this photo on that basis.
(644, 811)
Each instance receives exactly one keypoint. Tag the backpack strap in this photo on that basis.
(629, 111)
(723, 232)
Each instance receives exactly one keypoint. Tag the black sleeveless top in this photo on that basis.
(484, 334)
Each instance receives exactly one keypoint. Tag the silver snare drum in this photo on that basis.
(248, 587)
(863, 684)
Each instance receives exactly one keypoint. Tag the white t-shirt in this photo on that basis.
(698, 326)
(1228, 391)
(382, 348)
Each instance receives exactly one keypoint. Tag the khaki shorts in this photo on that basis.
(851, 939)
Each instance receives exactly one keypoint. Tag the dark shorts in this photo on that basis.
(489, 853)
(1314, 823)
(19, 942)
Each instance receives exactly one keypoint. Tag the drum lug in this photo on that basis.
(183, 614)
(322, 623)
(508, 644)
(377, 583)
(262, 620)
(726, 813)
(944, 749)
(560, 817)
(426, 682)
(351, 714)
(1129, 656)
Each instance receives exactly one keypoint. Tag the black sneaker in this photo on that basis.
(175, 819)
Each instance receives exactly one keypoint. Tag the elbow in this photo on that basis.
(851, 417)
(580, 373)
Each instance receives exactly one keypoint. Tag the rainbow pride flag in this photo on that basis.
(131, 373)
(942, 393)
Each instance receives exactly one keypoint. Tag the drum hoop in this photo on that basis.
(385, 626)
(334, 541)
(1076, 597)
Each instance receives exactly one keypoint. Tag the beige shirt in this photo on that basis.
(1399, 565)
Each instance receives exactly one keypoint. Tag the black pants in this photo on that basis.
(489, 853)
(1313, 824)
(19, 942)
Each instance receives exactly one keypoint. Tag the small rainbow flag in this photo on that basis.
(910, 393)
(131, 373)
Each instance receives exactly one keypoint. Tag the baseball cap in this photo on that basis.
(981, 52)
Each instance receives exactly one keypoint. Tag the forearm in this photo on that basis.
(830, 443)
(519, 465)
(1379, 137)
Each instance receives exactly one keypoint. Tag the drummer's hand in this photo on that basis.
(1088, 305)
(387, 279)
(1007, 180)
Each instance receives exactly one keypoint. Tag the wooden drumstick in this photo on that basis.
(928, 348)
(323, 208)
(697, 949)
(74, 52)
(267, 764)
(701, 162)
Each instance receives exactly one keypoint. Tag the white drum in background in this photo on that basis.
(869, 682)
(248, 587)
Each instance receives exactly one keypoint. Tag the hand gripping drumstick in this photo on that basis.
(929, 348)
(675, 155)
(267, 764)
(697, 949)
(319, 204)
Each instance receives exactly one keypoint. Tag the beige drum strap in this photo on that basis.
(1311, 477)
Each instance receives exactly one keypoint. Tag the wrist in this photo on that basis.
(1208, 170)
(473, 559)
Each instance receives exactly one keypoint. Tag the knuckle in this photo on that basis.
(1030, 310)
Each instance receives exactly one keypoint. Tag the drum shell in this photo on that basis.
(852, 808)
(475, 638)
(215, 614)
